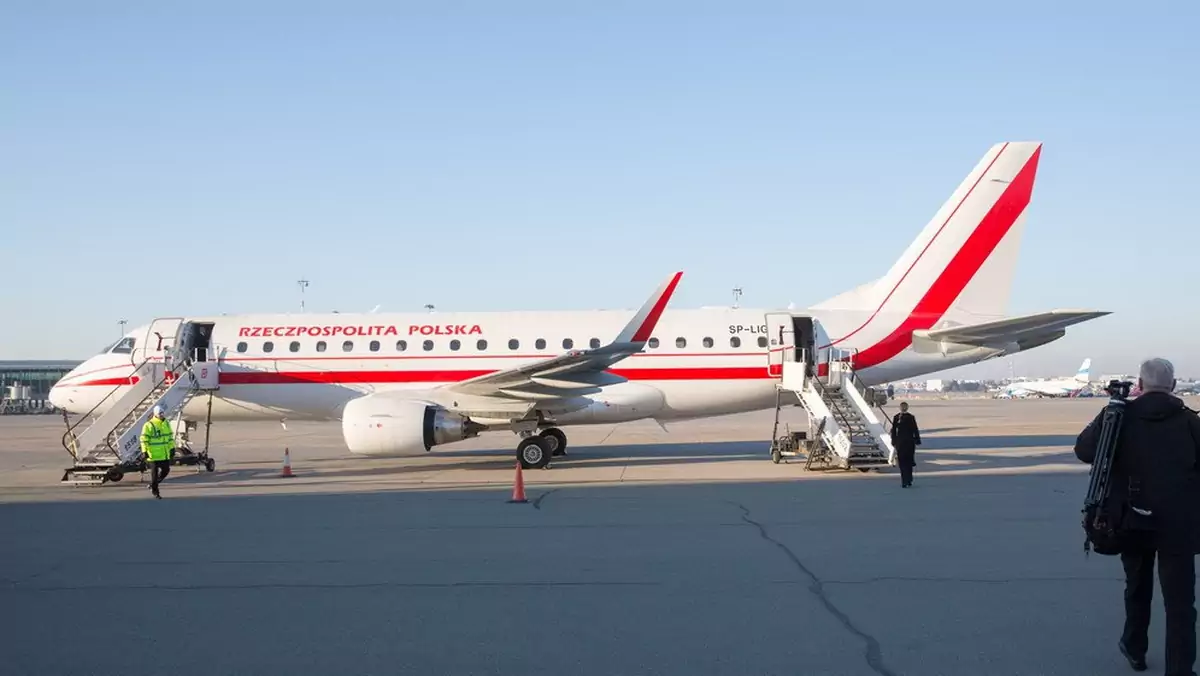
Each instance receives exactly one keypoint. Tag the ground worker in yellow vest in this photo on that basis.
(157, 443)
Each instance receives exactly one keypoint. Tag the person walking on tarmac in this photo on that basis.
(157, 443)
(906, 436)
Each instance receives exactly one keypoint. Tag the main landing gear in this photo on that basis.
(535, 452)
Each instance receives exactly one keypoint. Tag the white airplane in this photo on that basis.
(1054, 387)
(403, 383)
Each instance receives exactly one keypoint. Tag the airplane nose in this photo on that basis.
(58, 397)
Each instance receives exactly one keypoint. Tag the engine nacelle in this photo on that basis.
(381, 425)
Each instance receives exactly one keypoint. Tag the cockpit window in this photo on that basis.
(123, 346)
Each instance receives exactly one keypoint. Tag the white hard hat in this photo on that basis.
(158, 410)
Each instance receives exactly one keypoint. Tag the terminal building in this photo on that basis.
(25, 385)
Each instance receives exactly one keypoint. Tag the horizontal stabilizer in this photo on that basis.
(1002, 331)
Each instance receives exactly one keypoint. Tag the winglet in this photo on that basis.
(639, 328)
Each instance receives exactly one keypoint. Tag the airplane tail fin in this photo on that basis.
(959, 269)
(1084, 374)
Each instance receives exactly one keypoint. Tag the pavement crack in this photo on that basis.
(537, 502)
(874, 654)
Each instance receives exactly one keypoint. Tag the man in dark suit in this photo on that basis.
(906, 436)
(1156, 468)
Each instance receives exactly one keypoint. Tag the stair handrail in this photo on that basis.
(862, 389)
(177, 366)
(859, 385)
(842, 421)
(69, 438)
(843, 426)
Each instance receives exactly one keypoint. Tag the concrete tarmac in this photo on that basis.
(644, 552)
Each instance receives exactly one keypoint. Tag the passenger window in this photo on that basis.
(427, 345)
(401, 345)
(455, 344)
(513, 343)
(708, 342)
(321, 346)
(595, 343)
(762, 341)
(268, 346)
(481, 345)
(735, 342)
(374, 346)
(294, 346)
(568, 343)
(348, 346)
(241, 347)
(681, 342)
(653, 342)
(540, 343)
(124, 346)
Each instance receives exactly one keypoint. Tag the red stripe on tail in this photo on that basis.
(961, 269)
(927, 245)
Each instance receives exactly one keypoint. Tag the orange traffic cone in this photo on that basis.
(518, 494)
(287, 464)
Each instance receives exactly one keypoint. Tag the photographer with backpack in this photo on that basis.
(1154, 496)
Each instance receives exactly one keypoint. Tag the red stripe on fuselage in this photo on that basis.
(446, 376)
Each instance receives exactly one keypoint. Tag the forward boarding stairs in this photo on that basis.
(111, 446)
(844, 429)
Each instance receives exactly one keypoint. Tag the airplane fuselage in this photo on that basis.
(699, 363)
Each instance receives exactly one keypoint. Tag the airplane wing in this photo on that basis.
(1015, 329)
(575, 372)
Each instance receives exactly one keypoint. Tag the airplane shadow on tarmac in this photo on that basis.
(936, 454)
(625, 455)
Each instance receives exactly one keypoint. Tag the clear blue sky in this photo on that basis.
(164, 159)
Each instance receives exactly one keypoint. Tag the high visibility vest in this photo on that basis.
(157, 439)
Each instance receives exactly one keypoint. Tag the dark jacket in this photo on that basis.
(905, 433)
(1160, 445)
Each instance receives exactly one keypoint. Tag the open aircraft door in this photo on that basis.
(781, 343)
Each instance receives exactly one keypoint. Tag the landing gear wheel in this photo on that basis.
(557, 440)
(534, 453)
(210, 464)
(115, 475)
(776, 456)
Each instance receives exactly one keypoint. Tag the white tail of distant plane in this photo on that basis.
(402, 383)
(1084, 374)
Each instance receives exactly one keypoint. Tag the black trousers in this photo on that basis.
(159, 469)
(1177, 577)
(906, 456)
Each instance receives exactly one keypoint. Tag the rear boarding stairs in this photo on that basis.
(170, 375)
(844, 430)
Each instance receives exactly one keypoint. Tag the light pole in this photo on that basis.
(737, 293)
(303, 285)
(122, 323)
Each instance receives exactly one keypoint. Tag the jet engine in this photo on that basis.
(380, 425)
